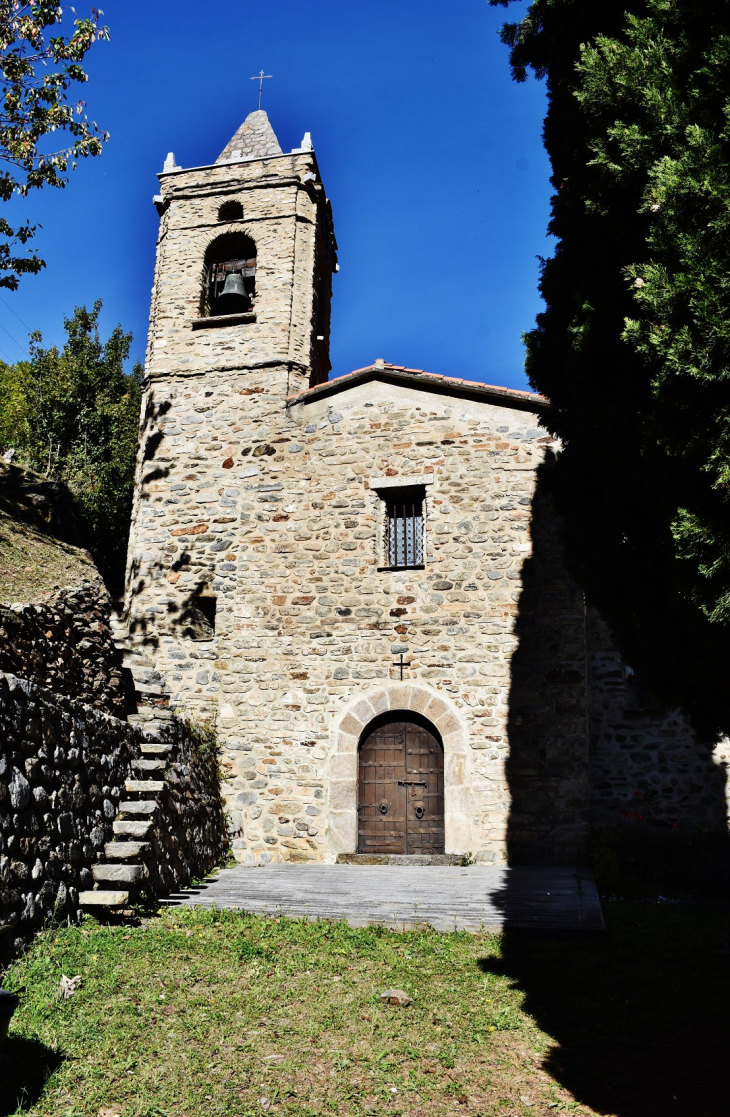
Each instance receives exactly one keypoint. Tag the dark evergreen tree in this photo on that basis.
(633, 348)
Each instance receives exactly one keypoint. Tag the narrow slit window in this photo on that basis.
(404, 528)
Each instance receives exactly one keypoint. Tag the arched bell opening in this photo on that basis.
(230, 275)
(401, 786)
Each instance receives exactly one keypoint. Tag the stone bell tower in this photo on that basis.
(240, 320)
(259, 214)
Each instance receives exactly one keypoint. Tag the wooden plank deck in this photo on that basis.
(449, 898)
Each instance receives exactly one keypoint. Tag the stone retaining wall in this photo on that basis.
(63, 768)
(65, 643)
(191, 835)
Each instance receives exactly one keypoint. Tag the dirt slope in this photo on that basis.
(40, 544)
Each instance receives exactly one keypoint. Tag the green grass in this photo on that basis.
(198, 1013)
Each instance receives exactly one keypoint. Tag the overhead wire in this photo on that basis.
(22, 347)
(16, 315)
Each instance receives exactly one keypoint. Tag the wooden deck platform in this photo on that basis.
(449, 898)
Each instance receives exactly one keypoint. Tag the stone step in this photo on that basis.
(118, 874)
(103, 899)
(126, 851)
(156, 748)
(399, 859)
(143, 809)
(142, 787)
(134, 830)
(150, 765)
(151, 720)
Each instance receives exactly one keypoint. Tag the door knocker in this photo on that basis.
(384, 806)
(420, 810)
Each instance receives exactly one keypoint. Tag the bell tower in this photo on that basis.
(239, 322)
(245, 257)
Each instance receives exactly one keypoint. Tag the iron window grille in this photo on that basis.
(404, 527)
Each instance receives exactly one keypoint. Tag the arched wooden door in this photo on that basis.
(401, 801)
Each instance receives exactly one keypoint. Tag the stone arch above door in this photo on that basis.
(458, 802)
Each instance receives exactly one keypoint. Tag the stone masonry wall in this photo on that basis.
(62, 773)
(63, 769)
(275, 511)
(647, 764)
(65, 643)
(191, 833)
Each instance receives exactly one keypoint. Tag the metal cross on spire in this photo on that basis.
(261, 78)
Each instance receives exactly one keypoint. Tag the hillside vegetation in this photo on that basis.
(72, 414)
(39, 537)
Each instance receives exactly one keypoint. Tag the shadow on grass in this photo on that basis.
(639, 1015)
(25, 1067)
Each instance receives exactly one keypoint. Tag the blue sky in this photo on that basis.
(431, 154)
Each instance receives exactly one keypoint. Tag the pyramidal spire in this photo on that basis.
(255, 139)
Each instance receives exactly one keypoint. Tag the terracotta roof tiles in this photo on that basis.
(419, 377)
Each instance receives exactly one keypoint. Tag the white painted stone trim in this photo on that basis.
(459, 806)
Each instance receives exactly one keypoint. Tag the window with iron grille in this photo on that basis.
(404, 528)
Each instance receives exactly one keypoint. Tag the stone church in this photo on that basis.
(361, 579)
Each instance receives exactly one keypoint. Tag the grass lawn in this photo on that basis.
(196, 1013)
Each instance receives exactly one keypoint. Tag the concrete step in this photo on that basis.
(126, 851)
(106, 875)
(150, 765)
(134, 830)
(143, 809)
(156, 748)
(143, 787)
(103, 899)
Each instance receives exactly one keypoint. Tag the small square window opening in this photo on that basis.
(199, 617)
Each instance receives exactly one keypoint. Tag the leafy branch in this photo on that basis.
(37, 73)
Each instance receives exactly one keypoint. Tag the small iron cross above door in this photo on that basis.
(400, 664)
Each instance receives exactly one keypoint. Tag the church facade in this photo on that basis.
(361, 579)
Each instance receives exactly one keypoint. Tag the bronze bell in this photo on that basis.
(233, 298)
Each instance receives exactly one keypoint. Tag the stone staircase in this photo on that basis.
(123, 875)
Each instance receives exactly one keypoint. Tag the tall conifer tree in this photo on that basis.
(633, 347)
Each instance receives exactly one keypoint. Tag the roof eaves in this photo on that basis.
(515, 397)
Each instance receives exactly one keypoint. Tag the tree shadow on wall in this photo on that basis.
(151, 438)
(638, 1013)
(25, 1067)
(547, 766)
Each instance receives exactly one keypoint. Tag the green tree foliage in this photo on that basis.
(37, 72)
(633, 348)
(73, 416)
